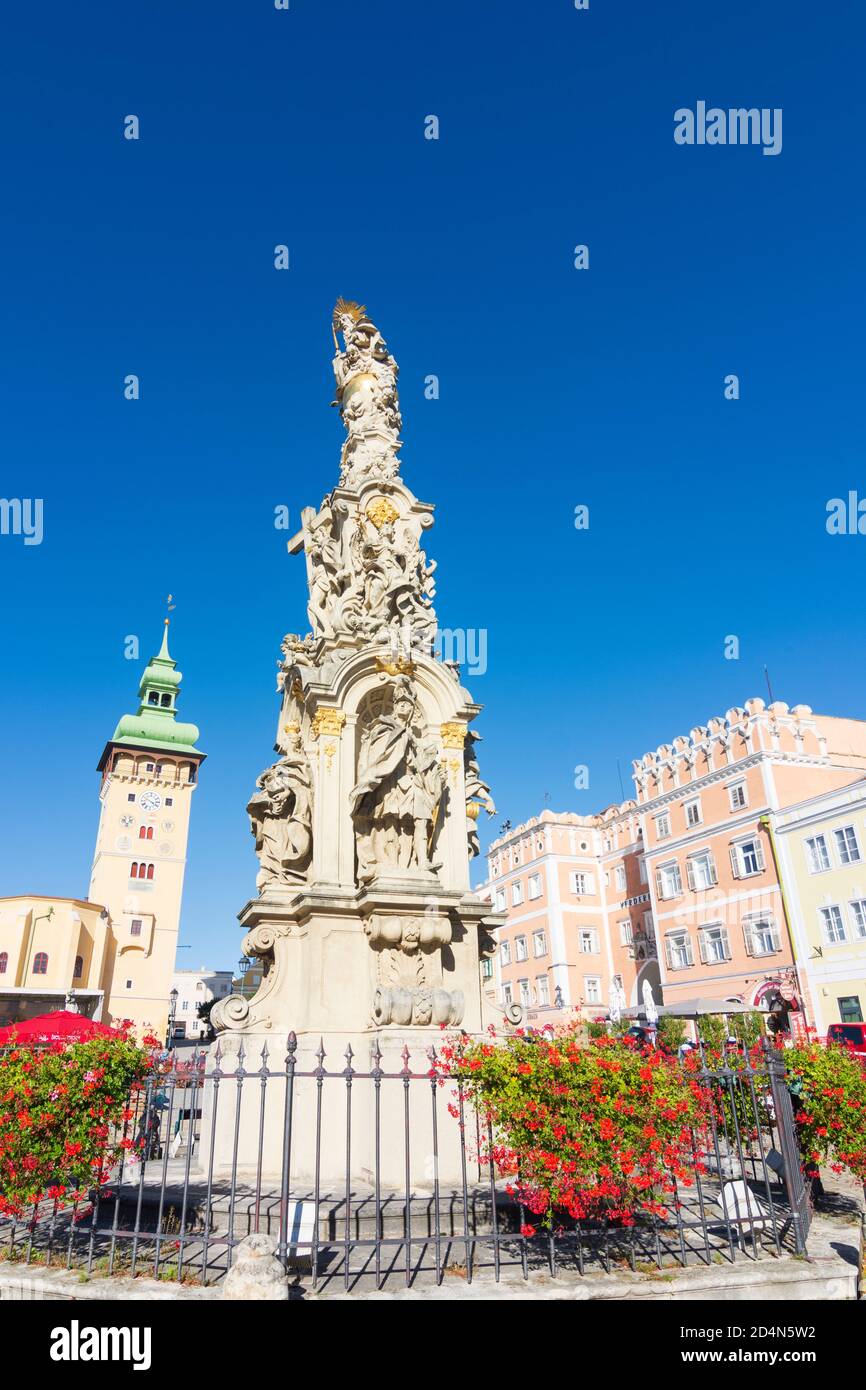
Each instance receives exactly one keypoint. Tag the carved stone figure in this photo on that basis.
(400, 787)
(366, 376)
(281, 817)
(477, 791)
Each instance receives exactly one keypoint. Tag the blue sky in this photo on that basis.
(558, 387)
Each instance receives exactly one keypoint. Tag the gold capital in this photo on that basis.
(453, 735)
(327, 721)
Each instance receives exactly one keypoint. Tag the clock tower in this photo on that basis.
(149, 772)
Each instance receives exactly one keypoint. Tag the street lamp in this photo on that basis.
(171, 1013)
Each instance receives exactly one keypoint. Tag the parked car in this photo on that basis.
(852, 1034)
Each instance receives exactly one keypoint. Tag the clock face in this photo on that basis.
(150, 801)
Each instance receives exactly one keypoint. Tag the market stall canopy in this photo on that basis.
(60, 1026)
(695, 1008)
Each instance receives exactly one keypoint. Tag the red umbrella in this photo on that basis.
(60, 1025)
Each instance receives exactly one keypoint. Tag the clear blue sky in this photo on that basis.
(558, 387)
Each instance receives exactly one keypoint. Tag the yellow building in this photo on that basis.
(116, 951)
(53, 953)
(821, 849)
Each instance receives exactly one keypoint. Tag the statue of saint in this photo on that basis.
(399, 791)
(281, 817)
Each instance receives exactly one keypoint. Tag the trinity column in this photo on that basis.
(365, 824)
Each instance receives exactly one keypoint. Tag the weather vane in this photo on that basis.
(170, 606)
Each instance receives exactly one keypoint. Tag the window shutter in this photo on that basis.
(669, 953)
(711, 866)
(726, 946)
(702, 947)
(748, 939)
(659, 886)
(735, 861)
(759, 854)
(689, 954)
(690, 874)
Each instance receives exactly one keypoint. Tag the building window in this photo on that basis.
(505, 953)
(849, 1009)
(145, 832)
(737, 796)
(507, 994)
(135, 927)
(185, 1006)
(592, 989)
(582, 884)
(761, 936)
(747, 858)
(620, 878)
(678, 950)
(169, 801)
(846, 845)
(649, 929)
(129, 984)
(714, 945)
(542, 989)
(701, 871)
(130, 796)
(40, 963)
(669, 883)
(626, 933)
(4, 961)
(486, 971)
(817, 854)
(834, 927)
(78, 969)
(693, 812)
(663, 826)
(858, 917)
(534, 886)
(516, 894)
(525, 997)
(500, 900)
(539, 943)
(588, 942)
(520, 948)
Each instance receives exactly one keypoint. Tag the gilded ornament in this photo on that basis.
(327, 721)
(380, 511)
(453, 735)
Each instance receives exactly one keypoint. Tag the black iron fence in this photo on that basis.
(364, 1175)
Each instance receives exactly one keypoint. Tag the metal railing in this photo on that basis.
(309, 1154)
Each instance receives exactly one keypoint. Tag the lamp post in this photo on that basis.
(169, 1042)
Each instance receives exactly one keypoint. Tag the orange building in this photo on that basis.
(678, 888)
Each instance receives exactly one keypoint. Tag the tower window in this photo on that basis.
(131, 796)
(169, 801)
(166, 701)
(40, 963)
(135, 928)
(129, 984)
(148, 767)
(4, 961)
(145, 832)
(149, 871)
(153, 698)
(79, 968)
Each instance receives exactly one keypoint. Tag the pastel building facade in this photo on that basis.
(196, 987)
(680, 887)
(115, 951)
(821, 849)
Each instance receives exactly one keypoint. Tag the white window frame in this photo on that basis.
(533, 887)
(702, 855)
(857, 915)
(741, 787)
(672, 938)
(521, 948)
(693, 804)
(620, 878)
(507, 993)
(582, 883)
(539, 936)
(750, 924)
(663, 825)
(817, 868)
(592, 985)
(839, 920)
(669, 864)
(505, 952)
(542, 989)
(843, 849)
(720, 937)
(500, 900)
(738, 865)
(626, 932)
(525, 993)
(516, 894)
(593, 948)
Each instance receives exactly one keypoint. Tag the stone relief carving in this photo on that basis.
(409, 971)
(477, 792)
(399, 792)
(281, 817)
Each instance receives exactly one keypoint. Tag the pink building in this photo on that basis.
(679, 887)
